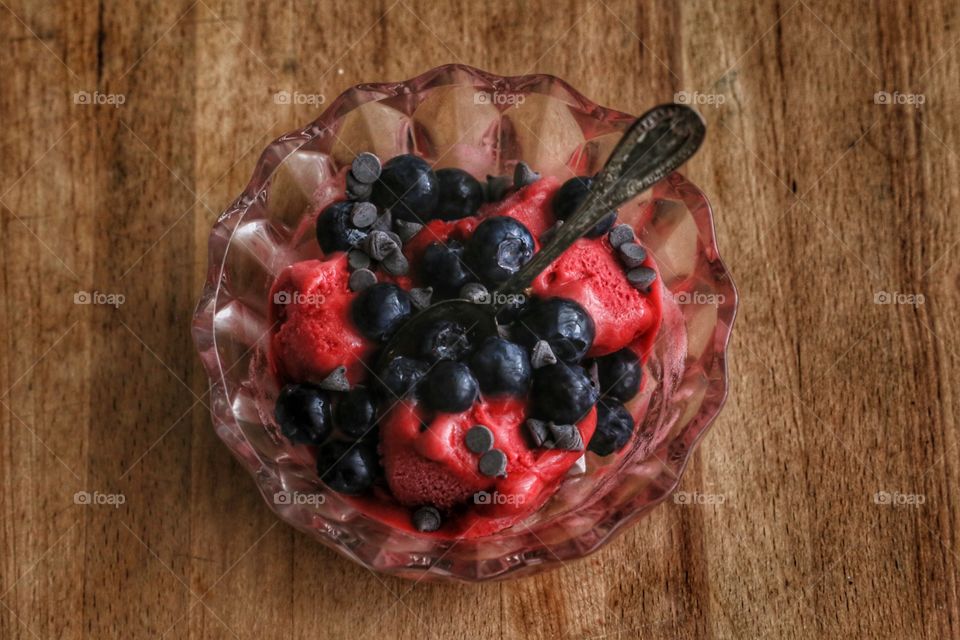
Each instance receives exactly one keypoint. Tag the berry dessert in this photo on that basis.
(459, 437)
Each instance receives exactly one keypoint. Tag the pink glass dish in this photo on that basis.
(460, 116)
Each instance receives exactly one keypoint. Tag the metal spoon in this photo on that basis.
(655, 145)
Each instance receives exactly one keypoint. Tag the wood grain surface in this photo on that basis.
(824, 497)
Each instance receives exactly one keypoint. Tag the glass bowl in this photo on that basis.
(460, 116)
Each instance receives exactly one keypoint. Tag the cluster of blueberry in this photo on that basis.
(541, 351)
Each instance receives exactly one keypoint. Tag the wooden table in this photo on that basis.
(835, 457)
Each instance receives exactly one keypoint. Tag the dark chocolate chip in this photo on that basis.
(357, 190)
(537, 430)
(379, 245)
(337, 380)
(357, 259)
(421, 297)
(478, 439)
(366, 168)
(632, 254)
(621, 234)
(363, 215)
(427, 519)
(565, 436)
(406, 230)
(384, 222)
(496, 188)
(524, 175)
(542, 355)
(396, 263)
(494, 464)
(361, 279)
(641, 278)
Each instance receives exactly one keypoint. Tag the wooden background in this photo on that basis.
(824, 200)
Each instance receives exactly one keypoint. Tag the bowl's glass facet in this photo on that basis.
(460, 116)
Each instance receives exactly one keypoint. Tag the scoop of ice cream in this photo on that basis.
(310, 308)
(427, 460)
(590, 273)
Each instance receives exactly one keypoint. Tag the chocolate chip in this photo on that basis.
(564, 436)
(524, 175)
(357, 190)
(384, 222)
(478, 439)
(621, 234)
(427, 519)
(641, 278)
(357, 259)
(494, 464)
(537, 430)
(406, 230)
(361, 279)
(542, 355)
(421, 297)
(632, 254)
(337, 380)
(475, 292)
(496, 188)
(396, 263)
(379, 244)
(395, 237)
(363, 215)
(366, 168)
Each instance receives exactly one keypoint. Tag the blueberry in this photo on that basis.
(334, 231)
(460, 194)
(450, 387)
(303, 413)
(563, 323)
(571, 195)
(619, 374)
(501, 366)
(444, 340)
(348, 468)
(563, 393)
(442, 268)
(380, 309)
(401, 376)
(356, 413)
(408, 187)
(497, 249)
(614, 427)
